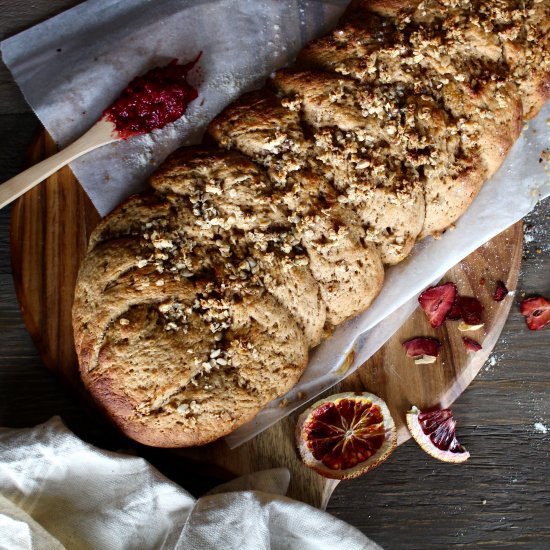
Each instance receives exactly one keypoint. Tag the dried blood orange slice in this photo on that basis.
(435, 432)
(346, 435)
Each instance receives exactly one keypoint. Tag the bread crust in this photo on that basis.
(198, 300)
(182, 413)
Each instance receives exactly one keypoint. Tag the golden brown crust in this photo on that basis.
(197, 301)
(192, 399)
(258, 125)
(513, 33)
(127, 218)
(179, 364)
(455, 55)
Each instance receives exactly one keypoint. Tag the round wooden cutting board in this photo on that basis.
(50, 229)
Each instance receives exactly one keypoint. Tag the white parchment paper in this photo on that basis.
(70, 68)
(73, 66)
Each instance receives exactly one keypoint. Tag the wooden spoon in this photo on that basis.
(101, 133)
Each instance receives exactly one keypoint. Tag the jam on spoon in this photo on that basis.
(152, 100)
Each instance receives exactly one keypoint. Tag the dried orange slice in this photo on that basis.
(435, 432)
(346, 435)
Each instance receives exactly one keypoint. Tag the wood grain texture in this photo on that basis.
(50, 228)
(499, 499)
(50, 231)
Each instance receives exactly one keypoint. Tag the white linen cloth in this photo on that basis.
(58, 492)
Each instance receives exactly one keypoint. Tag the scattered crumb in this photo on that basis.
(535, 238)
(491, 362)
(540, 427)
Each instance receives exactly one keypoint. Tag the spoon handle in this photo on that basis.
(99, 134)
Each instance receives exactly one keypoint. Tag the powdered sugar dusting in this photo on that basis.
(495, 358)
(540, 427)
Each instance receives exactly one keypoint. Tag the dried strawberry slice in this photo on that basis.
(471, 345)
(417, 347)
(454, 313)
(500, 292)
(437, 301)
(536, 311)
(470, 310)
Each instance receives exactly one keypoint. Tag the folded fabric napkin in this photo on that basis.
(57, 491)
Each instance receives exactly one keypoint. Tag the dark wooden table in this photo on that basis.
(501, 497)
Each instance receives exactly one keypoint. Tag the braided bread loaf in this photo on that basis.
(198, 300)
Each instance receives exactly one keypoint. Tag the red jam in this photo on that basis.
(153, 100)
